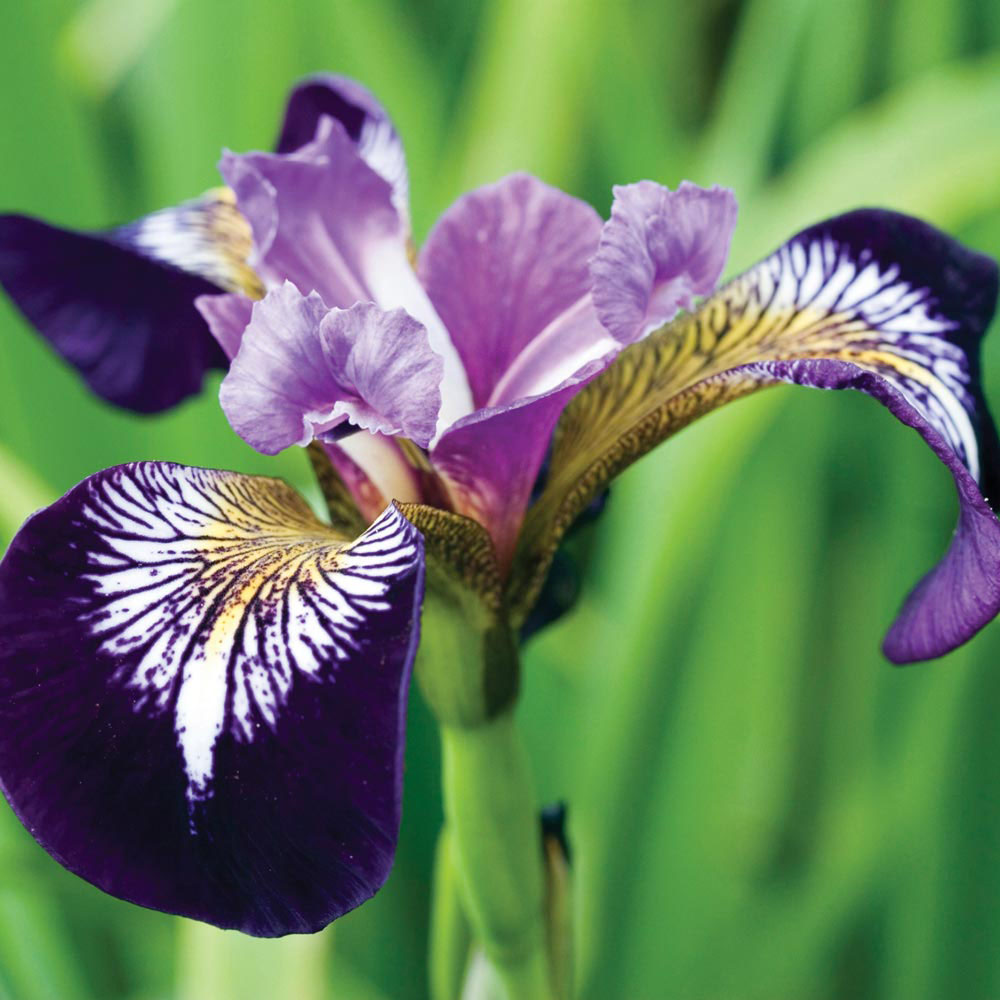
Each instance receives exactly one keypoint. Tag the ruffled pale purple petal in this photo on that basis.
(303, 370)
(500, 266)
(658, 251)
(363, 118)
(203, 694)
(124, 319)
(324, 220)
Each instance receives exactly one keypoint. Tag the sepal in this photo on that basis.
(119, 306)
(203, 694)
(872, 300)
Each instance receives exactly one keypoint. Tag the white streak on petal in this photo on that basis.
(220, 589)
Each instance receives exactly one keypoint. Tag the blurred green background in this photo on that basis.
(761, 806)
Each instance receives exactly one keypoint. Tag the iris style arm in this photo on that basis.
(203, 694)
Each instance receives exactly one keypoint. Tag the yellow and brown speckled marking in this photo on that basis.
(459, 550)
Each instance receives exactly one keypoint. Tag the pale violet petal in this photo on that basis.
(659, 250)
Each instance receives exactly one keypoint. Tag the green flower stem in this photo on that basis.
(492, 817)
(451, 936)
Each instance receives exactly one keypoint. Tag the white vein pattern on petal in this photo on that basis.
(214, 594)
(206, 237)
(852, 306)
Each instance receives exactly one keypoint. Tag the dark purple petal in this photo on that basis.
(962, 593)
(364, 120)
(227, 317)
(491, 459)
(659, 250)
(502, 264)
(302, 370)
(119, 306)
(871, 300)
(203, 694)
(910, 305)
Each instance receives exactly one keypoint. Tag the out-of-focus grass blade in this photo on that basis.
(526, 99)
(930, 147)
(688, 491)
(695, 749)
(836, 36)
(923, 34)
(988, 14)
(36, 952)
(739, 136)
(966, 921)
(227, 965)
(22, 494)
(106, 38)
(638, 128)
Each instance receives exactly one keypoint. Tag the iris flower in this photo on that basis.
(203, 686)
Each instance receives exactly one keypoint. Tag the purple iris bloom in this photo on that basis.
(202, 686)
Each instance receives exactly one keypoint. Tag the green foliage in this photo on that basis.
(761, 807)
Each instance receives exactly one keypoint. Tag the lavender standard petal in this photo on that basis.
(303, 369)
(501, 265)
(658, 251)
(203, 693)
(364, 119)
(321, 217)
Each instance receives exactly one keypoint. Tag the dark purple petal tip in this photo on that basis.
(203, 693)
(327, 94)
(889, 305)
(125, 321)
(962, 593)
